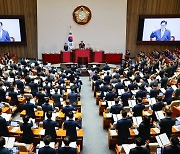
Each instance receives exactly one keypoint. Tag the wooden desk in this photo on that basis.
(175, 111)
(107, 119)
(102, 107)
(6, 110)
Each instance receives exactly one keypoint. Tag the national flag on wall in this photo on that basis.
(70, 40)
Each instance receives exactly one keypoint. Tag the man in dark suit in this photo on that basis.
(141, 93)
(125, 96)
(29, 107)
(3, 150)
(27, 136)
(110, 96)
(73, 98)
(47, 149)
(138, 108)
(106, 67)
(82, 45)
(119, 85)
(66, 109)
(40, 96)
(47, 88)
(95, 76)
(122, 127)
(46, 106)
(167, 123)
(3, 125)
(164, 81)
(56, 97)
(173, 148)
(168, 94)
(154, 92)
(34, 87)
(2, 93)
(139, 149)
(133, 86)
(115, 109)
(20, 85)
(13, 95)
(66, 149)
(49, 126)
(70, 127)
(107, 78)
(177, 93)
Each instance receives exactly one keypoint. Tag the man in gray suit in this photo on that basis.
(4, 35)
(73, 98)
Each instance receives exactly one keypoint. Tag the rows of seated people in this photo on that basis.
(47, 99)
(138, 98)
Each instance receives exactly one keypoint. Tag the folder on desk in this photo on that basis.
(162, 140)
(127, 83)
(128, 147)
(132, 103)
(148, 89)
(6, 116)
(136, 132)
(163, 90)
(159, 115)
(120, 91)
(158, 77)
(149, 81)
(111, 103)
(113, 132)
(72, 144)
(52, 144)
(157, 130)
(134, 91)
(174, 87)
(141, 74)
(137, 120)
(152, 101)
(14, 129)
(42, 132)
(177, 128)
(117, 117)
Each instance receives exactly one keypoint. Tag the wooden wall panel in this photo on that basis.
(144, 7)
(28, 8)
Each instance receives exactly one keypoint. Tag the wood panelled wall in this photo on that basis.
(147, 7)
(28, 8)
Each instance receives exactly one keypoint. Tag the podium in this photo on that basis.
(82, 56)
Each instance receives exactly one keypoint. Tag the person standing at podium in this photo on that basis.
(81, 45)
(66, 47)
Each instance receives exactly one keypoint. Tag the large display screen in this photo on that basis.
(12, 29)
(159, 29)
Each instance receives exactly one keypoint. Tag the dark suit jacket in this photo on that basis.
(132, 86)
(29, 107)
(56, 97)
(5, 36)
(123, 126)
(107, 79)
(33, 86)
(164, 81)
(157, 34)
(73, 97)
(66, 150)
(3, 127)
(137, 109)
(154, 93)
(70, 126)
(46, 150)
(40, 96)
(49, 126)
(20, 85)
(4, 150)
(171, 149)
(66, 109)
(139, 150)
(168, 95)
(2, 95)
(115, 109)
(14, 99)
(166, 125)
(47, 107)
(140, 93)
(124, 97)
(27, 136)
(110, 96)
(144, 131)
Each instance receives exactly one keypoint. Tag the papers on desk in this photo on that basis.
(137, 120)
(6, 116)
(141, 74)
(42, 132)
(14, 129)
(174, 87)
(157, 70)
(52, 144)
(157, 130)
(132, 103)
(177, 128)
(128, 147)
(127, 83)
(159, 115)
(105, 93)
(158, 77)
(72, 144)
(149, 81)
(111, 103)
(136, 132)
(120, 91)
(10, 80)
(163, 90)
(152, 101)
(134, 91)
(108, 115)
(117, 117)
(146, 113)
(14, 123)
(178, 118)
(103, 103)
(113, 132)
(1, 105)
(9, 142)
(162, 140)
(148, 89)
(68, 90)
